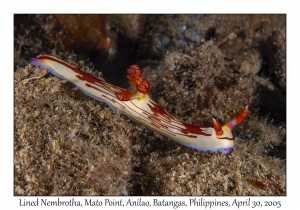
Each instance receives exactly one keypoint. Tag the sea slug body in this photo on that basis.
(139, 107)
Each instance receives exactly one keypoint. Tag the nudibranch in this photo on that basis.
(139, 107)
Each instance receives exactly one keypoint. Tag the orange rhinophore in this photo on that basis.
(238, 119)
(217, 127)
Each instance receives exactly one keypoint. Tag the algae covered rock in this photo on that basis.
(196, 86)
(65, 142)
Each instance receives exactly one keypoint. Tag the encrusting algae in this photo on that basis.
(66, 143)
